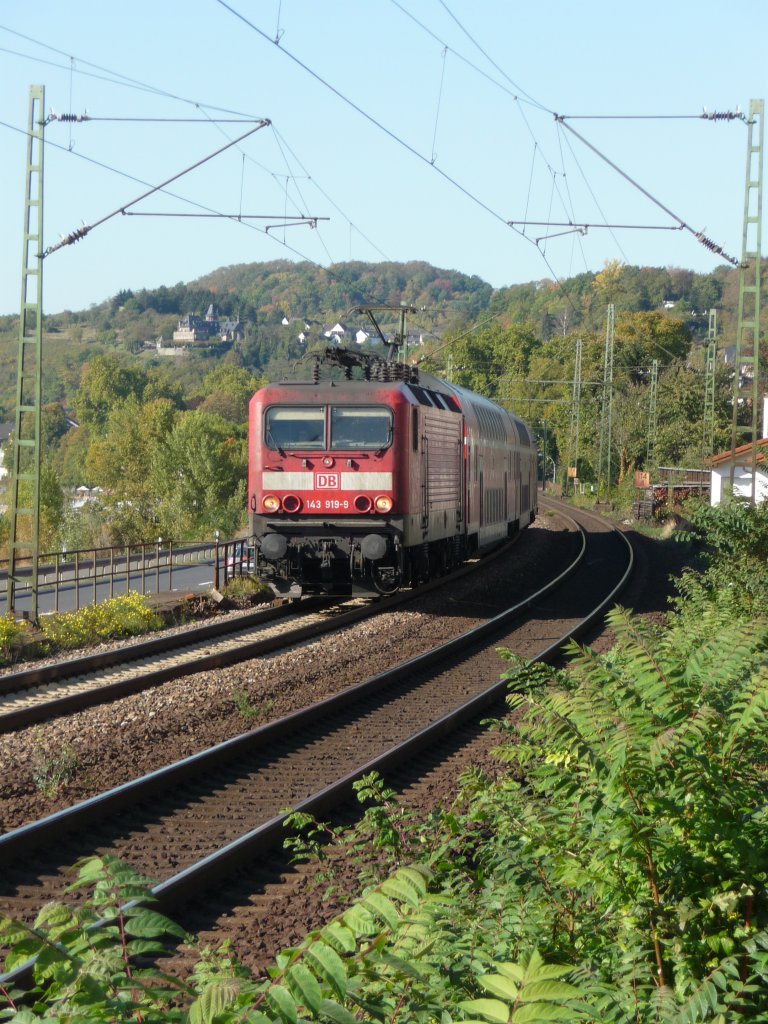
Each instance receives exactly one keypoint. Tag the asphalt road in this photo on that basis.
(183, 579)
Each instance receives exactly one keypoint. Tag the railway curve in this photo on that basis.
(186, 834)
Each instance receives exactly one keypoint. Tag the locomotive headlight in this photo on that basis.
(383, 503)
(363, 503)
(291, 503)
(271, 503)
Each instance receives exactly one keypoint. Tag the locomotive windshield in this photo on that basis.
(304, 427)
(360, 428)
(295, 427)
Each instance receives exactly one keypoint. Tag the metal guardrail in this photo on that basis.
(134, 567)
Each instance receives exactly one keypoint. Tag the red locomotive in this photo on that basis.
(367, 485)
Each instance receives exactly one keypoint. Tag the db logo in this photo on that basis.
(326, 481)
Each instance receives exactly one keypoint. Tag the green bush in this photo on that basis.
(127, 615)
(734, 540)
(247, 588)
(11, 633)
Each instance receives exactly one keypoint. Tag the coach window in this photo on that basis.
(291, 428)
(353, 427)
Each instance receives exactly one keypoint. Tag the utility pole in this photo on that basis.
(708, 425)
(25, 458)
(573, 428)
(606, 412)
(650, 457)
(748, 324)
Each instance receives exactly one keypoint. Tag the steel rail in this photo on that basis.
(188, 882)
(68, 673)
(45, 830)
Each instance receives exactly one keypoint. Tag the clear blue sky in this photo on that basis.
(466, 93)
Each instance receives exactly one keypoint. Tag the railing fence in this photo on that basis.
(95, 574)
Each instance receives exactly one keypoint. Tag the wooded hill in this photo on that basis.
(516, 345)
(262, 294)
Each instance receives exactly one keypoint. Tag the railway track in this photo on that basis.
(192, 823)
(64, 687)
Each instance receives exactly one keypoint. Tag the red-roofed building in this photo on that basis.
(741, 459)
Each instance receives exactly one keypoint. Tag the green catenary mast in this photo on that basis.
(708, 426)
(746, 380)
(573, 428)
(650, 455)
(25, 464)
(606, 412)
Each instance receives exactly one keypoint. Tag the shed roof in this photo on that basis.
(744, 449)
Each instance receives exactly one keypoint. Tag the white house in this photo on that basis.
(741, 460)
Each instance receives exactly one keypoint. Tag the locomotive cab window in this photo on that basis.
(360, 427)
(291, 428)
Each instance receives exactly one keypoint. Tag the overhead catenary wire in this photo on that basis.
(590, 189)
(571, 205)
(555, 276)
(80, 233)
(698, 235)
(368, 117)
(439, 99)
(706, 115)
(463, 58)
(108, 75)
(491, 61)
(126, 81)
(124, 174)
(411, 149)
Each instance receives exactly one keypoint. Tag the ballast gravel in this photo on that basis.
(46, 767)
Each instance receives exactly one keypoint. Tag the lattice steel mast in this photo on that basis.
(573, 428)
(748, 324)
(650, 455)
(606, 412)
(25, 457)
(710, 361)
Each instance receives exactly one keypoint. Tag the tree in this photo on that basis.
(199, 476)
(121, 458)
(53, 426)
(104, 383)
(643, 337)
(70, 458)
(228, 390)
(121, 462)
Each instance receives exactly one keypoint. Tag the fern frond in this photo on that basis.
(747, 719)
(684, 738)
